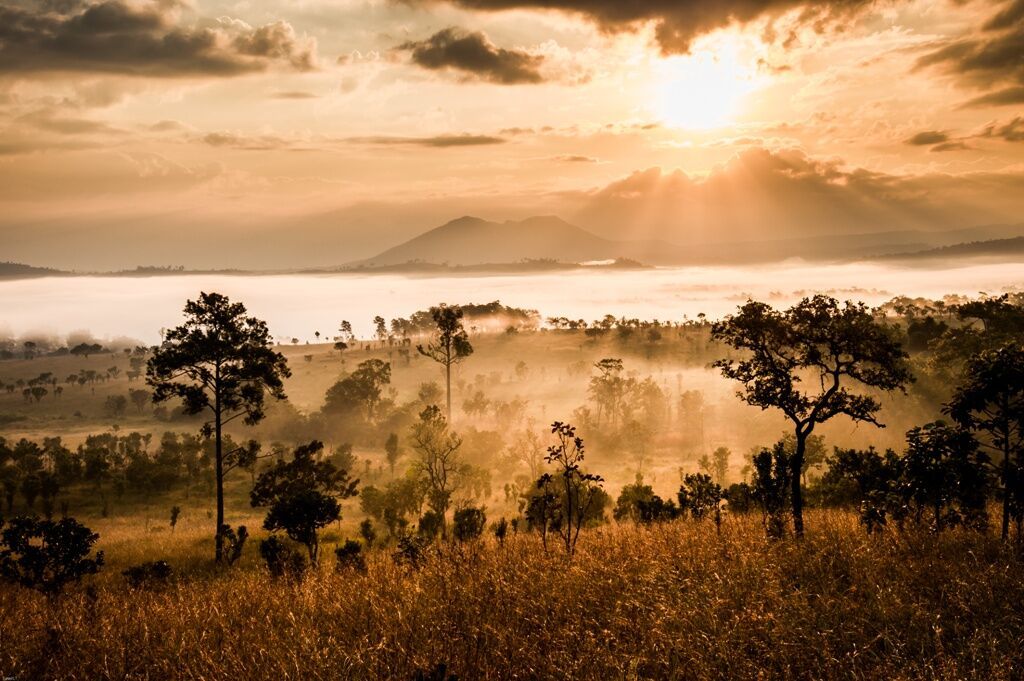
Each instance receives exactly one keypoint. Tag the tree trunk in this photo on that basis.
(796, 465)
(219, 464)
(1006, 488)
(448, 388)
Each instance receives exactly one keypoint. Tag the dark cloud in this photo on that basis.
(1010, 132)
(439, 141)
(951, 146)
(678, 22)
(475, 55)
(1004, 97)
(990, 59)
(113, 36)
(245, 143)
(928, 137)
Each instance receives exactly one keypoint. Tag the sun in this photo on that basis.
(705, 89)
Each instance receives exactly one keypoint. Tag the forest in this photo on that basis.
(822, 491)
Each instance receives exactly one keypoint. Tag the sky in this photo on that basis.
(290, 133)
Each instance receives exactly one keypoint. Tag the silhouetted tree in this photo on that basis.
(140, 398)
(302, 496)
(817, 342)
(468, 523)
(46, 555)
(771, 484)
(944, 473)
(990, 403)
(449, 346)
(391, 451)
(579, 490)
(437, 462)
(222, 362)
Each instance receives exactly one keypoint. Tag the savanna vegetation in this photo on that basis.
(825, 491)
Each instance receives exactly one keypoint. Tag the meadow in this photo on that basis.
(671, 601)
(690, 595)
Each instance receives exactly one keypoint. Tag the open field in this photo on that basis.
(670, 601)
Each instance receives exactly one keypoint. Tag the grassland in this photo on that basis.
(669, 601)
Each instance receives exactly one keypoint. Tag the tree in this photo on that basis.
(944, 473)
(827, 343)
(360, 390)
(701, 496)
(140, 398)
(47, 555)
(450, 344)
(771, 486)
(380, 328)
(720, 463)
(302, 496)
(437, 463)
(990, 403)
(392, 451)
(219, 362)
(115, 405)
(578, 490)
(468, 523)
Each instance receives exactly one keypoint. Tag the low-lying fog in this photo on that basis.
(297, 305)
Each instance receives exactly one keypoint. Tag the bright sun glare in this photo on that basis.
(705, 89)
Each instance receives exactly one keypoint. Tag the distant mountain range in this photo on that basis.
(473, 241)
(470, 244)
(994, 248)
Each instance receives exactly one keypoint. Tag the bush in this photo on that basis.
(151, 573)
(430, 524)
(350, 556)
(469, 523)
(235, 542)
(281, 559)
(47, 555)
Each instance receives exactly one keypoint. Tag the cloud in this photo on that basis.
(1009, 132)
(928, 137)
(1004, 97)
(951, 146)
(293, 94)
(678, 22)
(473, 54)
(438, 141)
(761, 194)
(114, 36)
(990, 59)
(572, 158)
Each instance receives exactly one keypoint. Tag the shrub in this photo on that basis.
(281, 559)
(350, 556)
(234, 541)
(47, 555)
(150, 573)
(469, 523)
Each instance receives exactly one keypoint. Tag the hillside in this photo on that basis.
(15, 270)
(994, 248)
(472, 241)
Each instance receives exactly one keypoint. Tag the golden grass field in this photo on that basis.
(673, 601)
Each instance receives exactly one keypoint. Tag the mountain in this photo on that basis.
(16, 270)
(469, 241)
(1002, 249)
(473, 241)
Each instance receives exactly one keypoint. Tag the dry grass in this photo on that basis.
(674, 601)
